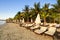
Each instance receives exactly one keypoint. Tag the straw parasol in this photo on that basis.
(38, 21)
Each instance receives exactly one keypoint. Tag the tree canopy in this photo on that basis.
(45, 12)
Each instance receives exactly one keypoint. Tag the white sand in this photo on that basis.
(13, 31)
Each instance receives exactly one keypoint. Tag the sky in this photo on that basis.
(9, 8)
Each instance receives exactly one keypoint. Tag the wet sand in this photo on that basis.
(11, 31)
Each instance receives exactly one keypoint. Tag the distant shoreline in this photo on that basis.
(2, 23)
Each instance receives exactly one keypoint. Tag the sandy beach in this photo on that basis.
(29, 19)
(11, 31)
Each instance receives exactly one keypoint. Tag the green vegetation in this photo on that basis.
(47, 14)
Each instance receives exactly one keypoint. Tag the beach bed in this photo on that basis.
(41, 30)
(34, 27)
(51, 31)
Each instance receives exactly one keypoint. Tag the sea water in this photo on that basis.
(2, 22)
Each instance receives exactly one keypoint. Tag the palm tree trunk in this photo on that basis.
(54, 20)
(19, 20)
(16, 21)
(27, 19)
(44, 21)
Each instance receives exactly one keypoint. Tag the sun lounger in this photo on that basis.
(36, 26)
(41, 24)
(52, 24)
(28, 25)
(23, 24)
(51, 31)
(58, 25)
(41, 30)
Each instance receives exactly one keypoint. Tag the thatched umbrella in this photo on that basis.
(38, 21)
(23, 20)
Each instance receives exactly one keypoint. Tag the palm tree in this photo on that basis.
(58, 18)
(26, 10)
(35, 10)
(22, 15)
(56, 7)
(32, 15)
(54, 16)
(9, 20)
(45, 12)
(37, 7)
(17, 16)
